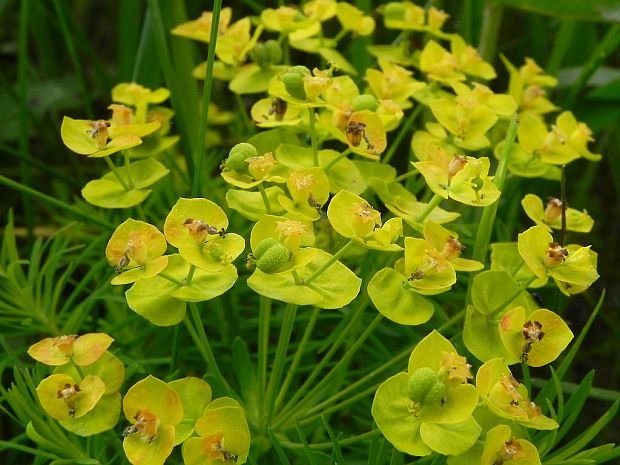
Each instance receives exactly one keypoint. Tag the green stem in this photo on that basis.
(171, 279)
(338, 37)
(485, 228)
(337, 159)
(491, 22)
(561, 45)
(279, 360)
(564, 203)
(355, 387)
(114, 170)
(197, 331)
(329, 445)
(75, 60)
(264, 314)
(247, 123)
(527, 379)
(402, 132)
(265, 198)
(190, 275)
(300, 352)
(516, 294)
(24, 121)
(455, 319)
(336, 407)
(311, 128)
(52, 202)
(406, 175)
(342, 335)
(174, 353)
(435, 201)
(316, 390)
(330, 262)
(605, 47)
(199, 156)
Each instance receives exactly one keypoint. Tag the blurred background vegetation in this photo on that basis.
(62, 57)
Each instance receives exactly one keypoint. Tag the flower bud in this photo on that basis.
(364, 102)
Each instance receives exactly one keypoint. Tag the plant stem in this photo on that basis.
(171, 279)
(527, 379)
(491, 23)
(402, 132)
(75, 60)
(435, 201)
(265, 198)
(311, 128)
(354, 387)
(406, 175)
(300, 352)
(278, 363)
(330, 262)
(483, 235)
(564, 203)
(24, 121)
(197, 331)
(327, 378)
(455, 319)
(52, 202)
(264, 314)
(605, 47)
(336, 160)
(114, 170)
(329, 445)
(190, 275)
(357, 314)
(245, 119)
(199, 156)
(505, 303)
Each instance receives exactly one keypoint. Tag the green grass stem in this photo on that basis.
(182, 101)
(297, 358)
(264, 316)
(24, 120)
(200, 154)
(55, 203)
(605, 47)
(278, 364)
(404, 130)
(73, 55)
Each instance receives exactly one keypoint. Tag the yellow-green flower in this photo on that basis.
(550, 215)
(465, 179)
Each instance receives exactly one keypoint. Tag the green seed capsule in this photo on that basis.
(260, 55)
(425, 388)
(274, 51)
(273, 258)
(420, 383)
(294, 84)
(263, 246)
(237, 156)
(435, 394)
(364, 102)
(394, 10)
